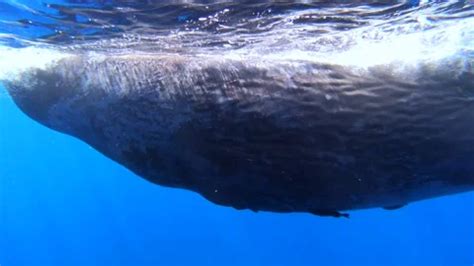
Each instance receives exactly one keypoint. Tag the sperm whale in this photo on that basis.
(369, 126)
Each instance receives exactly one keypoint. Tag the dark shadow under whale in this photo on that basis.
(271, 135)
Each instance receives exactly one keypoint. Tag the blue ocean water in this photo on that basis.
(63, 203)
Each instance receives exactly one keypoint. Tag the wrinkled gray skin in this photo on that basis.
(276, 136)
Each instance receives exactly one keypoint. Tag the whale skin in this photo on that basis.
(275, 135)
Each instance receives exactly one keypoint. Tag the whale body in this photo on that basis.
(268, 134)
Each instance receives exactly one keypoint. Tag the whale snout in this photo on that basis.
(37, 92)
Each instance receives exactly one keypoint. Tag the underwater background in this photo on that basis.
(63, 203)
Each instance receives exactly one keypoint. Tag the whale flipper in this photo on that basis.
(329, 213)
(394, 207)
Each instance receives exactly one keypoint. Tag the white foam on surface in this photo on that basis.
(14, 61)
(429, 46)
(366, 47)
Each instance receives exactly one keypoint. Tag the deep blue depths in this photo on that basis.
(63, 203)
